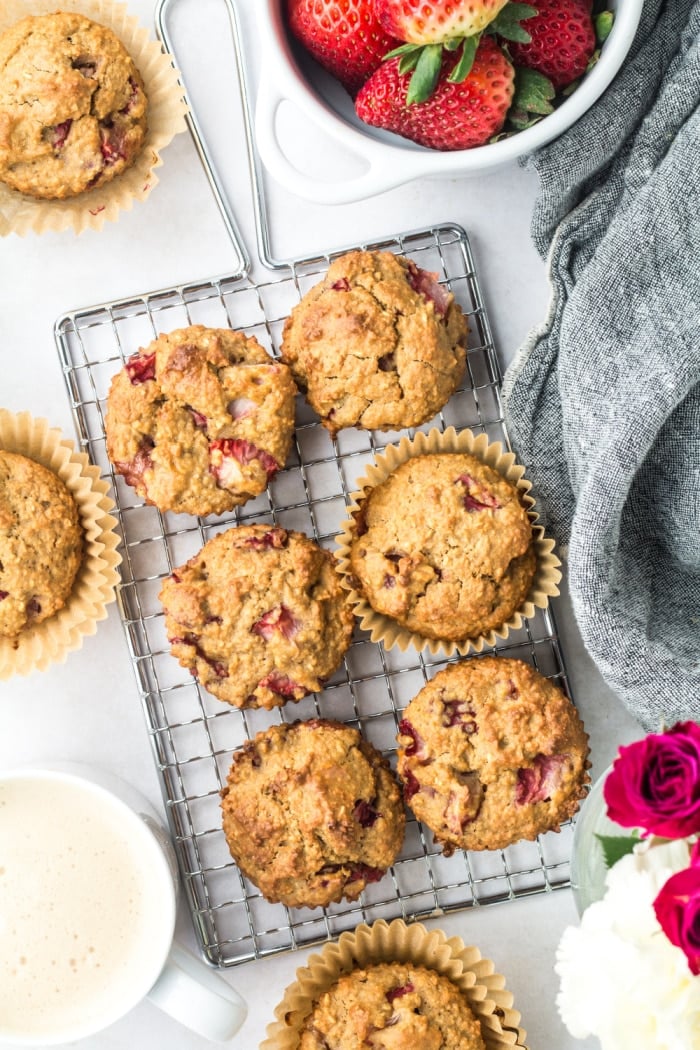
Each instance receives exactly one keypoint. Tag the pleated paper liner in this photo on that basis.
(94, 587)
(545, 584)
(166, 117)
(398, 941)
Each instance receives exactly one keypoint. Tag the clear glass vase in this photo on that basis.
(588, 868)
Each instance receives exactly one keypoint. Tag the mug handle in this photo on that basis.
(198, 997)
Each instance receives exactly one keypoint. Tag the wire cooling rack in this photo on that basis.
(194, 735)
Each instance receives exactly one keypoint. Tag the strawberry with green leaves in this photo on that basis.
(562, 41)
(446, 27)
(344, 36)
(435, 21)
(457, 114)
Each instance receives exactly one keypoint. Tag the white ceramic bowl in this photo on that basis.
(288, 75)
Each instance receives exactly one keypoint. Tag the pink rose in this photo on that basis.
(655, 783)
(677, 908)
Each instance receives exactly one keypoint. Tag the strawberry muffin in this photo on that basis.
(312, 813)
(41, 543)
(378, 344)
(491, 752)
(258, 615)
(396, 1005)
(200, 420)
(73, 113)
(443, 546)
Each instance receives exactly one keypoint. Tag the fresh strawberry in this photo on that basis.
(435, 21)
(443, 28)
(457, 115)
(562, 41)
(344, 36)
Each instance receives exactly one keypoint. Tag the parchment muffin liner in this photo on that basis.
(545, 584)
(398, 941)
(166, 118)
(94, 587)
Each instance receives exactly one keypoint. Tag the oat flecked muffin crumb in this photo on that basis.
(378, 344)
(200, 420)
(258, 615)
(73, 112)
(491, 752)
(396, 1006)
(444, 546)
(41, 543)
(312, 813)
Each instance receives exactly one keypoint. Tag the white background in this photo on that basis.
(88, 709)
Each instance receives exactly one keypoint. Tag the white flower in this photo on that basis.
(620, 977)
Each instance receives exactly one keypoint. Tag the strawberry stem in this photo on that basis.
(424, 61)
(464, 66)
(603, 25)
(532, 98)
(506, 24)
(408, 62)
(403, 49)
(425, 75)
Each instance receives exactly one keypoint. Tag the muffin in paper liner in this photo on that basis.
(21, 214)
(545, 584)
(398, 941)
(94, 587)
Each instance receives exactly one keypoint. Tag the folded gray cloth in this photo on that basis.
(603, 400)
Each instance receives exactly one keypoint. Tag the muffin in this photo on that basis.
(73, 112)
(41, 543)
(312, 813)
(200, 420)
(378, 344)
(396, 950)
(258, 615)
(444, 546)
(491, 752)
(397, 1005)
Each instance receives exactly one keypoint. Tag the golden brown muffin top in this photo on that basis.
(377, 344)
(72, 106)
(312, 813)
(258, 615)
(200, 420)
(444, 546)
(395, 1006)
(490, 752)
(41, 543)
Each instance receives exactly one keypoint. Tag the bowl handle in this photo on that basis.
(388, 167)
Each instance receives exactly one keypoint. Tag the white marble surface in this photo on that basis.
(88, 709)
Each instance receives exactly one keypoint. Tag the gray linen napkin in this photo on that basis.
(603, 400)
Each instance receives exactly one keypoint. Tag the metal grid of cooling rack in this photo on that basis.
(194, 735)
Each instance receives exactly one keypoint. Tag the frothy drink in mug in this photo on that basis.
(87, 909)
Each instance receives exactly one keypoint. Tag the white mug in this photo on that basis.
(88, 900)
